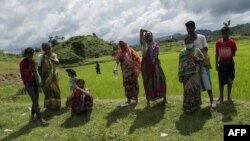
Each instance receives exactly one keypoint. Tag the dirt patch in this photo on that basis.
(10, 78)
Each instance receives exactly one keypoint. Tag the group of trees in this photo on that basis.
(54, 40)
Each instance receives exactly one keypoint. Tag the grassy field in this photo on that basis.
(136, 122)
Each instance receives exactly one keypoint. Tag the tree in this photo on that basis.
(37, 49)
(95, 35)
(78, 48)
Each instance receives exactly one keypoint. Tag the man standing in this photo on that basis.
(225, 51)
(201, 43)
(97, 68)
(28, 75)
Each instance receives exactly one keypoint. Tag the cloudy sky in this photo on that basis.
(30, 22)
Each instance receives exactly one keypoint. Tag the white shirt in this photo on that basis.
(39, 59)
(200, 42)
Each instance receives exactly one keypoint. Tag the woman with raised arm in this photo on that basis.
(154, 79)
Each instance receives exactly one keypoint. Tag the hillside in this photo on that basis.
(78, 48)
(239, 30)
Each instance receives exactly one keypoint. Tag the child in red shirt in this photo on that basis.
(28, 73)
(225, 51)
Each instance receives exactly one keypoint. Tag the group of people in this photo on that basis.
(154, 79)
(43, 75)
(194, 67)
(193, 71)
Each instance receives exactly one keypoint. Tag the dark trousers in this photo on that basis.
(32, 90)
(226, 72)
(98, 71)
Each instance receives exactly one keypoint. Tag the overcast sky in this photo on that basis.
(30, 22)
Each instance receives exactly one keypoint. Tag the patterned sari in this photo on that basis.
(130, 65)
(50, 83)
(189, 75)
(154, 79)
(80, 102)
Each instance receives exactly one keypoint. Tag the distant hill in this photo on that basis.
(78, 48)
(239, 30)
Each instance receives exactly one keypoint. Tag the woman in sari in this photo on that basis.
(80, 99)
(130, 65)
(190, 63)
(154, 79)
(47, 67)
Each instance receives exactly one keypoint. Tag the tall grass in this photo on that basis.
(104, 86)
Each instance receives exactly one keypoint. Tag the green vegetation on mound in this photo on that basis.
(78, 48)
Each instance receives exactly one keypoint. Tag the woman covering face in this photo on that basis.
(190, 60)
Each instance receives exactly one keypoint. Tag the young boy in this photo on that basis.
(225, 51)
(28, 72)
(201, 43)
(72, 80)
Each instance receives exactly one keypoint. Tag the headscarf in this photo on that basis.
(132, 56)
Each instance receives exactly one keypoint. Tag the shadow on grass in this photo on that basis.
(49, 114)
(26, 129)
(148, 116)
(191, 123)
(118, 113)
(76, 120)
(227, 110)
(1, 126)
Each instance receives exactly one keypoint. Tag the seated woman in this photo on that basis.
(190, 61)
(81, 100)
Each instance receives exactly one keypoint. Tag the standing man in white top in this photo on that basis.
(201, 43)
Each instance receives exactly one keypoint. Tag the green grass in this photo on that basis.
(109, 122)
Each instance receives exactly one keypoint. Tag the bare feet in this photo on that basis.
(32, 118)
(220, 100)
(229, 100)
(148, 103)
(44, 122)
(213, 105)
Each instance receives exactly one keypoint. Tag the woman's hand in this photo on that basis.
(191, 55)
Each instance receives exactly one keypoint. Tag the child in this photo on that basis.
(81, 100)
(225, 51)
(97, 68)
(72, 79)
